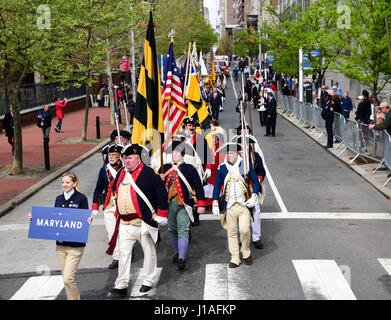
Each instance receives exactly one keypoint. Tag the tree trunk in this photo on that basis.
(17, 166)
(87, 106)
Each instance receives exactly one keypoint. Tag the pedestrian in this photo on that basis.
(346, 105)
(221, 90)
(262, 108)
(386, 124)
(215, 103)
(70, 253)
(45, 122)
(8, 128)
(271, 113)
(106, 96)
(363, 111)
(230, 177)
(60, 112)
(104, 188)
(180, 179)
(285, 89)
(328, 115)
(255, 96)
(141, 201)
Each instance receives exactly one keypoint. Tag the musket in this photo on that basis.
(244, 144)
(116, 117)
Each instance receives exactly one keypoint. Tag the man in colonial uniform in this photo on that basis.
(180, 179)
(202, 153)
(256, 161)
(104, 186)
(236, 201)
(141, 200)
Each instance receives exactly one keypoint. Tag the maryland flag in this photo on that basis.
(148, 114)
(199, 111)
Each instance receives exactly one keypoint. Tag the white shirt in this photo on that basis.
(69, 194)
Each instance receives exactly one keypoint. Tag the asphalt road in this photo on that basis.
(305, 256)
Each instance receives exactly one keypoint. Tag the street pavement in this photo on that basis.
(325, 233)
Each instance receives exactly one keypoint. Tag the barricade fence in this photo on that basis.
(31, 96)
(355, 136)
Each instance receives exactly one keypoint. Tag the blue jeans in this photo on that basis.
(59, 123)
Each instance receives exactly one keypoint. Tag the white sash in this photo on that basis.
(112, 170)
(145, 227)
(188, 208)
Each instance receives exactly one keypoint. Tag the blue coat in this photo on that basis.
(222, 173)
(76, 201)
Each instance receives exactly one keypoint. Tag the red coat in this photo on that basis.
(59, 106)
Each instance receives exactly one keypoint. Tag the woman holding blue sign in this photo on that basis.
(70, 253)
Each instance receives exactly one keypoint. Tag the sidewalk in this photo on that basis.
(66, 150)
(365, 170)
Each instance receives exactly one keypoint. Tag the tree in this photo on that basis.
(368, 58)
(89, 29)
(23, 27)
(225, 45)
(314, 28)
(189, 25)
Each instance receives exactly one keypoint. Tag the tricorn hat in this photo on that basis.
(230, 146)
(123, 133)
(132, 149)
(191, 120)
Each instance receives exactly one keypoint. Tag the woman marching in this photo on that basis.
(70, 253)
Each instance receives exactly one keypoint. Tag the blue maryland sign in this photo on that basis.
(63, 224)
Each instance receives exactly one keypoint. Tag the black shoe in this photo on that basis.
(175, 258)
(328, 147)
(389, 175)
(114, 264)
(145, 288)
(117, 293)
(232, 265)
(273, 135)
(267, 135)
(196, 223)
(258, 244)
(248, 260)
(55, 129)
(181, 264)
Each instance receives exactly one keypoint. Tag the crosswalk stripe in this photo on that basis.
(40, 288)
(322, 280)
(223, 283)
(216, 282)
(386, 263)
(136, 294)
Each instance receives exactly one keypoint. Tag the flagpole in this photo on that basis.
(187, 70)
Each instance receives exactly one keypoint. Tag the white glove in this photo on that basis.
(216, 210)
(162, 221)
(95, 212)
(250, 203)
(208, 173)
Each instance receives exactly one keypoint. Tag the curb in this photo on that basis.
(13, 203)
(367, 176)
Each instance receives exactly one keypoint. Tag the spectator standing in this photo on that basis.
(262, 108)
(346, 105)
(271, 111)
(106, 96)
(363, 111)
(45, 122)
(386, 124)
(60, 112)
(255, 96)
(336, 104)
(8, 128)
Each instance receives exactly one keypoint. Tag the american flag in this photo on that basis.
(174, 109)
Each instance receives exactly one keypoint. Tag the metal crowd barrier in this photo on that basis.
(356, 137)
(386, 153)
